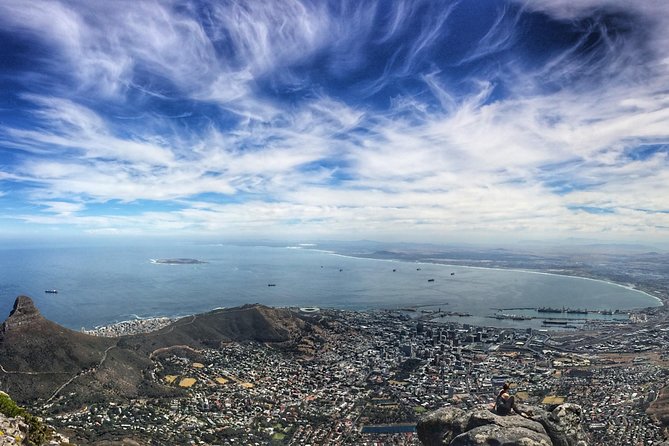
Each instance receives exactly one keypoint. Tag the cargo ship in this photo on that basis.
(555, 322)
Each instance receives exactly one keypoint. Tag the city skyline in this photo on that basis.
(406, 120)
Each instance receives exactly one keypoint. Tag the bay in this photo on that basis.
(105, 284)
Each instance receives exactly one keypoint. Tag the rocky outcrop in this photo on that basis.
(24, 312)
(14, 432)
(442, 426)
(563, 425)
(18, 427)
(454, 427)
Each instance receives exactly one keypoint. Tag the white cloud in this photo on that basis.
(63, 208)
(438, 166)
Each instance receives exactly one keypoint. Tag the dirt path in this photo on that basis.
(81, 373)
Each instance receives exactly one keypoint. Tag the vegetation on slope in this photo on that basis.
(38, 433)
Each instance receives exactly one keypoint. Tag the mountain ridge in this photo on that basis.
(40, 360)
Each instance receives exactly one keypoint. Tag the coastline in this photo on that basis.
(629, 287)
(130, 327)
(182, 312)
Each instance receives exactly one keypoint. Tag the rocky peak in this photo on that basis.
(451, 426)
(24, 312)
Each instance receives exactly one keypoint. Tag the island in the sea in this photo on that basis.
(178, 261)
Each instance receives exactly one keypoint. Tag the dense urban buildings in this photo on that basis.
(365, 377)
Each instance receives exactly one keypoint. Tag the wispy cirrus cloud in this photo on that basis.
(332, 119)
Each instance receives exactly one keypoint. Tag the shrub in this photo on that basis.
(8, 407)
(38, 433)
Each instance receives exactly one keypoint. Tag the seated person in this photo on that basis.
(505, 403)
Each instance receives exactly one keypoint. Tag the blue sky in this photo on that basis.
(391, 120)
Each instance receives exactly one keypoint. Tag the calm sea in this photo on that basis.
(101, 285)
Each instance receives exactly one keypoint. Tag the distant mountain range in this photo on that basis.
(40, 360)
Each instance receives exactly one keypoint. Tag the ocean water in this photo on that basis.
(101, 285)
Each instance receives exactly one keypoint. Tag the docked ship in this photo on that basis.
(514, 317)
(550, 310)
(554, 322)
(577, 311)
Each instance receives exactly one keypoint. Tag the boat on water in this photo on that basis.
(554, 322)
(271, 284)
(577, 311)
(550, 310)
(51, 291)
(514, 317)
(430, 280)
(562, 310)
(452, 274)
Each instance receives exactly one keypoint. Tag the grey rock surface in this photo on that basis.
(12, 430)
(563, 425)
(441, 426)
(484, 417)
(492, 434)
(454, 427)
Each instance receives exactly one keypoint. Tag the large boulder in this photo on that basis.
(563, 425)
(485, 417)
(454, 427)
(441, 426)
(493, 435)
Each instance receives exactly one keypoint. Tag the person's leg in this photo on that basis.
(514, 407)
(502, 410)
(505, 405)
